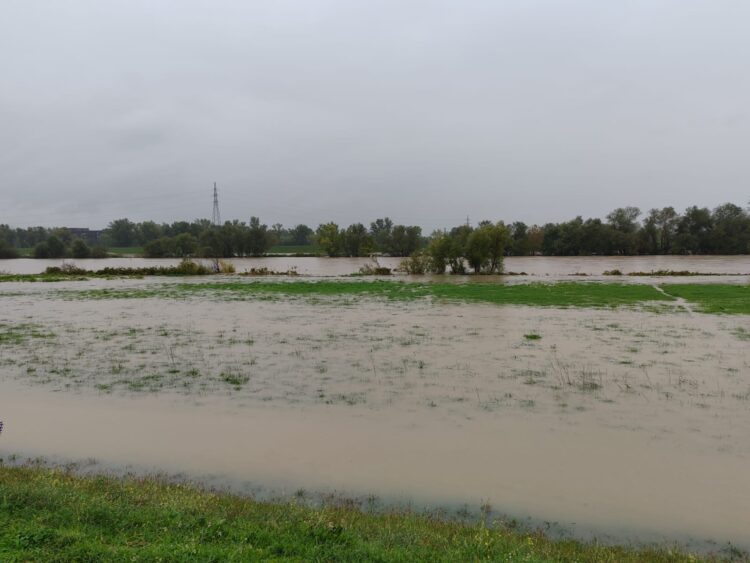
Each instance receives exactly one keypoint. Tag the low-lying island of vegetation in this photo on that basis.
(54, 515)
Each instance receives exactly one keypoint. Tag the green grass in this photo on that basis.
(25, 252)
(126, 250)
(566, 294)
(19, 332)
(292, 249)
(51, 515)
(714, 298)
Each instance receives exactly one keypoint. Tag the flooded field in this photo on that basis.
(545, 266)
(624, 423)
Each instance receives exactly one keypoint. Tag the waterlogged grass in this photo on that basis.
(18, 333)
(51, 515)
(567, 294)
(714, 298)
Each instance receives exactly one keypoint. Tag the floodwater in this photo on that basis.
(554, 266)
(622, 423)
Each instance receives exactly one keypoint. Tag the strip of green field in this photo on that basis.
(714, 298)
(49, 515)
(308, 249)
(564, 294)
(125, 250)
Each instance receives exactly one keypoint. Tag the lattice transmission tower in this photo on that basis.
(215, 216)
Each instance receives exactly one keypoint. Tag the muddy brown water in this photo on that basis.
(626, 423)
(534, 265)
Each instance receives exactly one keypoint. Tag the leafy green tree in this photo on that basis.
(6, 250)
(731, 232)
(300, 235)
(185, 245)
(55, 247)
(121, 232)
(404, 240)
(210, 244)
(159, 248)
(519, 233)
(41, 250)
(694, 231)
(147, 231)
(477, 250)
(459, 237)
(624, 223)
(279, 233)
(439, 249)
(380, 229)
(259, 239)
(330, 239)
(80, 249)
(357, 241)
(485, 247)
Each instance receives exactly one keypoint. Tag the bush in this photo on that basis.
(98, 251)
(41, 250)
(66, 269)
(80, 249)
(7, 251)
(188, 268)
(417, 264)
(374, 269)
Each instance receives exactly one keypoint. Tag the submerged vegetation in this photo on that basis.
(709, 298)
(563, 294)
(54, 515)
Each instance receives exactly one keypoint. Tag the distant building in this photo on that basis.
(89, 236)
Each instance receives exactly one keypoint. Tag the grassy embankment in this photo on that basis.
(50, 515)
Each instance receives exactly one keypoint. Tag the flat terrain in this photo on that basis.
(618, 411)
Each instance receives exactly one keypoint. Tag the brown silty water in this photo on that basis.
(538, 266)
(624, 422)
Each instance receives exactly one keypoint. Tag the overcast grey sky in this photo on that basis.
(426, 111)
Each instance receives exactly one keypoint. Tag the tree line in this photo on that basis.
(624, 231)
(47, 243)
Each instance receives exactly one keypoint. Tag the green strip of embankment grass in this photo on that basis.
(714, 298)
(49, 515)
(566, 294)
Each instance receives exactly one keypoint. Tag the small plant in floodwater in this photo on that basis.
(236, 379)
(532, 336)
